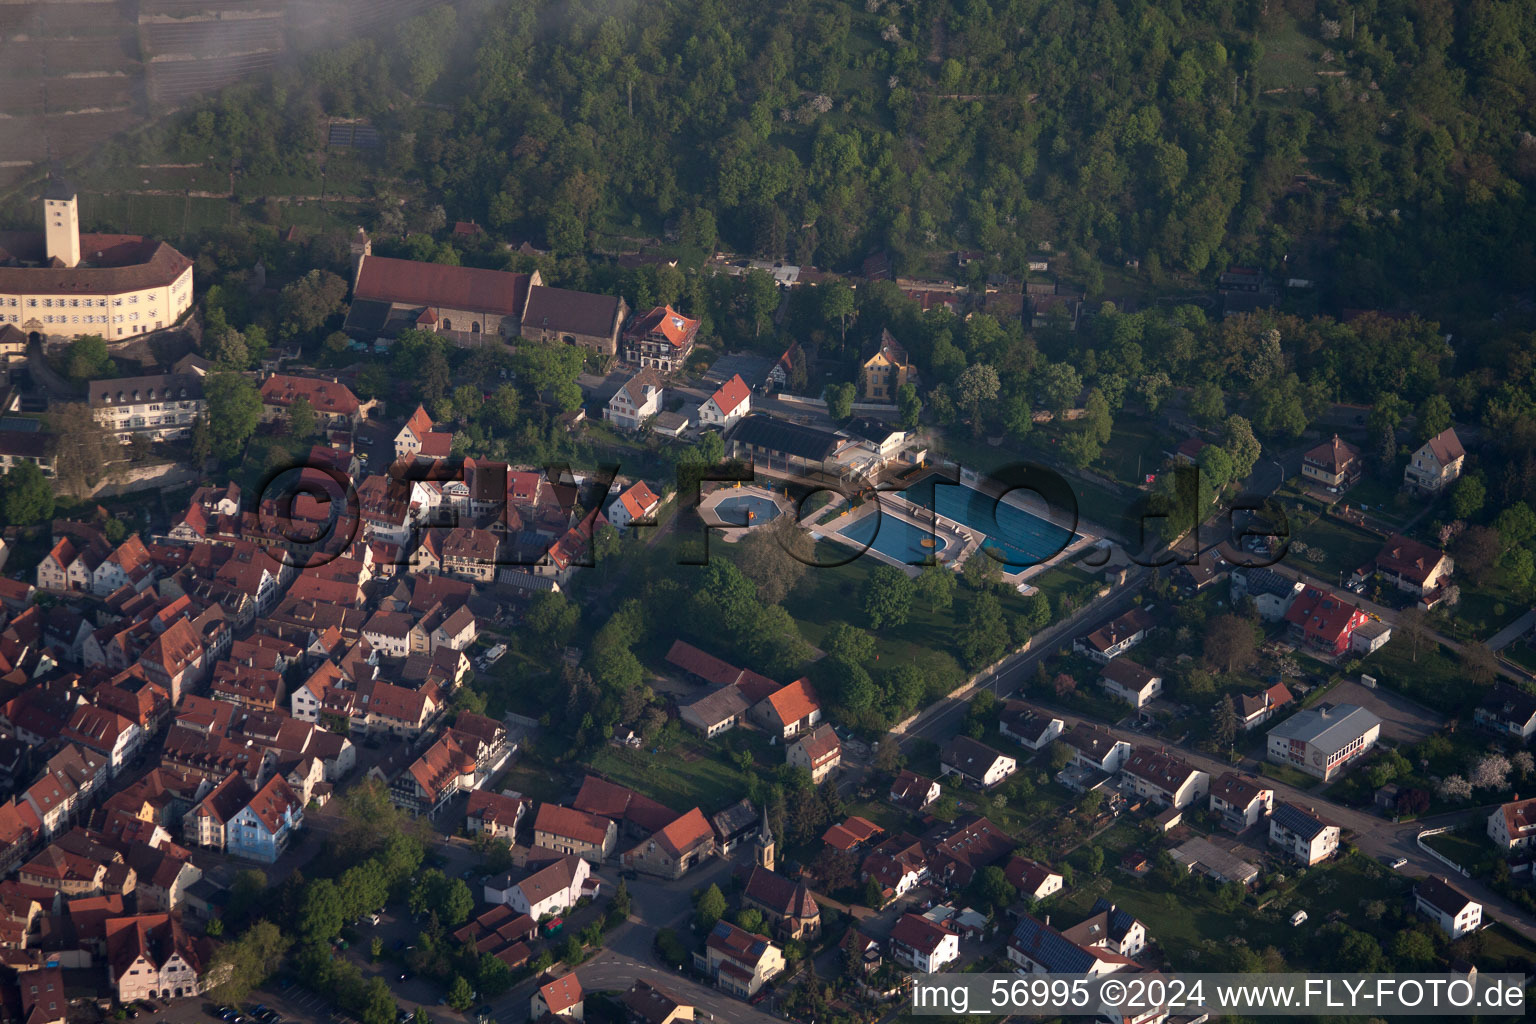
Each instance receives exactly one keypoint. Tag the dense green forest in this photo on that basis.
(1383, 146)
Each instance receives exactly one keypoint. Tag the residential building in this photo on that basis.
(566, 830)
(34, 446)
(1256, 709)
(1028, 726)
(645, 1003)
(786, 906)
(740, 962)
(159, 407)
(1242, 801)
(417, 439)
(1105, 943)
(1110, 641)
(1302, 835)
(1033, 880)
(151, 956)
(1322, 622)
(851, 834)
(818, 752)
(1271, 592)
(1436, 465)
(922, 945)
(1369, 637)
(637, 400)
(563, 316)
(975, 762)
(445, 769)
(1333, 465)
(63, 284)
(560, 997)
(552, 889)
(43, 999)
(897, 865)
(1322, 740)
(334, 404)
(789, 710)
(1454, 911)
(106, 732)
(1094, 747)
(470, 553)
(1165, 778)
(494, 814)
(957, 851)
(661, 339)
(885, 370)
(1131, 682)
(262, 829)
(913, 792)
(676, 849)
(730, 402)
(1412, 567)
(1512, 826)
(635, 503)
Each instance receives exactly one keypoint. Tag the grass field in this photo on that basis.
(1332, 547)
(687, 776)
(1435, 679)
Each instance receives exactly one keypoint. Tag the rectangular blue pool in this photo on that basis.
(1019, 538)
(895, 538)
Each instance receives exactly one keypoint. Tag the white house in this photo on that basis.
(727, 405)
(550, 890)
(1034, 880)
(1093, 746)
(1302, 835)
(1027, 726)
(1241, 800)
(1110, 641)
(637, 400)
(1512, 826)
(975, 762)
(1271, 592)
(637, 501)
(1131, 682)
(1164, 778)
(1322, 740)
(1454, 911)
(918, 943)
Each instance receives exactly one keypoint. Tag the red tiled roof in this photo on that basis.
(1446, 446)
(639, 500)
(919, 933)
(685, 833)
(730, 395)
(561, 994)
(1409, 559)
(793, 702)
(122, 263)
(569, 823)
(706, 666)
(1332, 456)
(328, 398)
(664, 320)
(432, 284)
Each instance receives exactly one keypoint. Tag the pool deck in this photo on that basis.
(963, 541)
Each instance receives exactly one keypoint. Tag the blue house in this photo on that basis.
(261, 829)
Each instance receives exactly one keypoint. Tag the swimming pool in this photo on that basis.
(895, 538)
(746, 510)
(1018, 538)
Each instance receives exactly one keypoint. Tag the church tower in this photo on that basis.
(762, 847)
(362, 248)
(61, 219)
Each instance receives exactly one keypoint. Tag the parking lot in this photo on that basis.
(1402, 720)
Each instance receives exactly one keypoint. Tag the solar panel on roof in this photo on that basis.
(20, 424)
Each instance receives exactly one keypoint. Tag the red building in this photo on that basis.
(1323, 622)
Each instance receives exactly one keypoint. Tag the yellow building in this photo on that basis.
(886, 371)
(59, 283)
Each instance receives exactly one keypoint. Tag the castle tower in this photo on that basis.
(61, 221)
(362, 248)
(762, 846)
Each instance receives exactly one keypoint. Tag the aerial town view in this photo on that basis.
(671, 511)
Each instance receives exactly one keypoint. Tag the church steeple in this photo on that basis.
(763, 846)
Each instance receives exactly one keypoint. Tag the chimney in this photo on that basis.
(1047, 920)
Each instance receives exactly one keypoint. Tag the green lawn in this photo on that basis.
(1289, 60)
(1288, 775)
(1332, 547)
(1135, 449)
(687, 776)
(1469, 851)
(1504, 948)
(1435, 679)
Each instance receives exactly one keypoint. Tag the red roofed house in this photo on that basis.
(727, 405)
(566, 830)
(1436, 465)
(442, 771)
(635, 502)
(789, 710)
(568, 317)
(553, 889)
(661, 339)
(105, 732)
(1412, 567)
(494, 814)
(818, 752)
(561, 997)
(1324, 622)
(1512, 826)
(150, 956)
(418, 439)
(675, 849)
(918, 943)
(912, 791)
(334, 403)
(1334, 465)
(1034, 880)
(851, 834)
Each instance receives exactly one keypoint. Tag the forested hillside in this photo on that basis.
(1385, 146)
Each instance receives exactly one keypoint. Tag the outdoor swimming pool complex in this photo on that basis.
(734, 510)
(1020, 539)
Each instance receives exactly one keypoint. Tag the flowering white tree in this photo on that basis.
(1491, 772)
(1523, 763)
(1454, 787)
